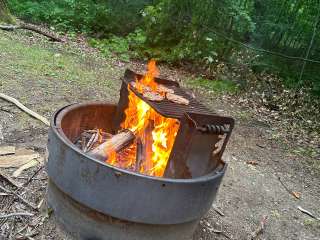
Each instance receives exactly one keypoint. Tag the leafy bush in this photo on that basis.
(114, 44)
(92, 16)
(183, 30)
(200, 32)
(5, 15)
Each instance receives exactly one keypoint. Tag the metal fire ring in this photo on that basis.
(120, 193)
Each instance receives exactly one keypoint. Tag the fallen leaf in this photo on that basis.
(296, 194)
(30, 164)
(254, 163)
(7, 150)
(261, 145)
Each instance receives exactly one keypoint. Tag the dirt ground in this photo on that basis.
(46, 76)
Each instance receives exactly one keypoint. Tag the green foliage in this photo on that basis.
(193, 32)
(5, 15)
(218, 86)
(96, 17)
(182, 30)
(113, 45)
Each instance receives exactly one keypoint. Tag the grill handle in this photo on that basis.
(213, 129)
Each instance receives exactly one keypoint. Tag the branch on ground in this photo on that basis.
(32, 28)
(24, 108)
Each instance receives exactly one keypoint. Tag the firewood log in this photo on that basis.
(147, 147)
(114, 144)
(139, 155)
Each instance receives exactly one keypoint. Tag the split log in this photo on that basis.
(147, 147)
(144, 150)
(9, 161)
(114, 144)
(139, 155)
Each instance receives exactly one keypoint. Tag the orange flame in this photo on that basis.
(156, 132)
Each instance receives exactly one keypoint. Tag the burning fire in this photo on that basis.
(156, 132)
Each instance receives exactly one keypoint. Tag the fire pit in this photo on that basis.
(168, 178)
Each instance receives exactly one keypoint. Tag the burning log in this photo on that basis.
(139, 155)
(144, 150)
(114, 144)
(147, 146)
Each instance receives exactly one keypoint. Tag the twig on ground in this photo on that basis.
(220, 232)
(16, 214)
(308, 213)
(28, 236)
(25, 109)
(225, 235)
(40, 203)
(215, 208)
(10, 180)
(4, 194)
(295, 194)
(260, 229)
(22, 229)
(35, 178)
(208, 226)
(32, 176)
(26, 202)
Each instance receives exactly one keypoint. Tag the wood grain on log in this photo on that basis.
(147, 141)
(114, 144)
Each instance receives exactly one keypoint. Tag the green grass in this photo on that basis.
(217, 86)
(62, 67)
(45, 76)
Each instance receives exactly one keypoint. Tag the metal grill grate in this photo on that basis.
(165, 107)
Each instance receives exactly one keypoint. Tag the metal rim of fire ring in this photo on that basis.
(58, 130)
(213, 178)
